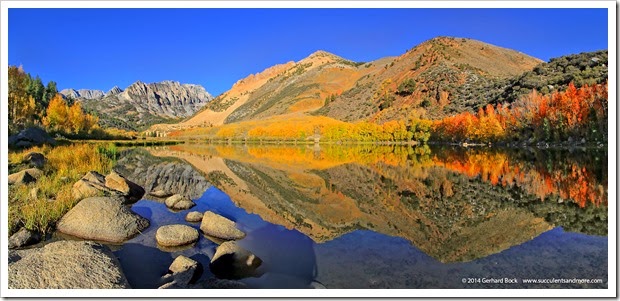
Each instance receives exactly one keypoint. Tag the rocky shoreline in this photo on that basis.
(103, 217)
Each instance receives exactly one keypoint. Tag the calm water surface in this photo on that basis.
(382, 217)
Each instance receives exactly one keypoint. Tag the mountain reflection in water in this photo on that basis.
(458, 206)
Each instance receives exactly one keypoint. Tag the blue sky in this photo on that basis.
(100, 48)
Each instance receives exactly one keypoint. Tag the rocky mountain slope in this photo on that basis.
(82, 93)
(436, 78)
(439, 77)
(140, 105)
(584, 68)
(291, 88)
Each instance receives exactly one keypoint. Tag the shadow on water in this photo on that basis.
(143, 265)
(288, 257)
(143, 211)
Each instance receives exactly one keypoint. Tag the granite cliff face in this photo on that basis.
(140, 105)
(167, 98)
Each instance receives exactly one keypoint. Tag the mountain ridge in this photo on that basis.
(82, 93)
(442, 70)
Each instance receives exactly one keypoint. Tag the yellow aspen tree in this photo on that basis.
(57, 114)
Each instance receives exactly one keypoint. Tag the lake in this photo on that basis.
(367, 216)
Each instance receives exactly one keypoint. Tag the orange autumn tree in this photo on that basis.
(577, 113)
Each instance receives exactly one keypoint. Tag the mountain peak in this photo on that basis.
(321, 53)
(69, 92)
(321, 57)
(113, 91)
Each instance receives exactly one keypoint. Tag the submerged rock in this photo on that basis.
(66, 265)
(179, 202)
(220, 227)
(214, 283)
(102, 218)
(171, 285)
(233, 262)
(194, 217)
(176, 235)
(317, 285)
(182, 271)
(22, 238)
(160, 193)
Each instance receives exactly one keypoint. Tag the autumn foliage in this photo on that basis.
(67, 119)
(311, 128)
(574, 113)
(577, 113)
(22, 106)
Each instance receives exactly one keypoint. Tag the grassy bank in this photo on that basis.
(38, 206)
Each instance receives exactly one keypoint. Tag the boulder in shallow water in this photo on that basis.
(102, 218)
(194, 217)
(220, 227)
(130, 190)
(234, 262)
(66, 265)
(176, 235)
(179, 202)
(182, 271)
